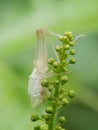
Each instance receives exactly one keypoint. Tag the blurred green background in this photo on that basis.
(19, 20)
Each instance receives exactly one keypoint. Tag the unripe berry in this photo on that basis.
(71, 93)
(65, 33)
(58, 48)
(58, 128)
(64, 79)
(63, 38)
(72, 52)
(64, 61)
(37, 127)
(50, 61)
(34, 118)
(65, 101)
(62, 119)
(55, 64)
(72, 61)
(67, 47)
(71, 43)
(44, 127)
(49, 110)
(69, 34)
(71, 38)
(66, 70)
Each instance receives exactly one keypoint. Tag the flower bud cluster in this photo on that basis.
(58, 96)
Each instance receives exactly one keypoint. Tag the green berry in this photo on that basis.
(72, 52)
(69, 34)
(66, 69)
(62, 119)
(58, 128)
(44, 127)
(49, 110)
(65, 101)
(64, 61)
(71, 93)
(72, 61)
(65, 33)
(67, 47)
(61, 47)
(71, 38)
(50, 61)
(55, 64)
(34, 118)
(63, 38)
(64, 79)
(58, 48)
(37, 127)
(71, 43)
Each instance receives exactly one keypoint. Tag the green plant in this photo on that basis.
(57, 95)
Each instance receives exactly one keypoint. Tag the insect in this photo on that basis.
(35, 90)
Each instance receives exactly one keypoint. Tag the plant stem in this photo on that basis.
(52, 121)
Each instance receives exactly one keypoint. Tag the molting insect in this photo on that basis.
(35, 90)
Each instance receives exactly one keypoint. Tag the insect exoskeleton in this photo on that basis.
(35, 90)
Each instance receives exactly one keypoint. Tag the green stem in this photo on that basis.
(52, 121)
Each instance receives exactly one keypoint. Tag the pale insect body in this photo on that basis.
(35, 90)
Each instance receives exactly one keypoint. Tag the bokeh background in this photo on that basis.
(19, 20)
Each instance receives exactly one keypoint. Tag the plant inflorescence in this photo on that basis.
(57, 94)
